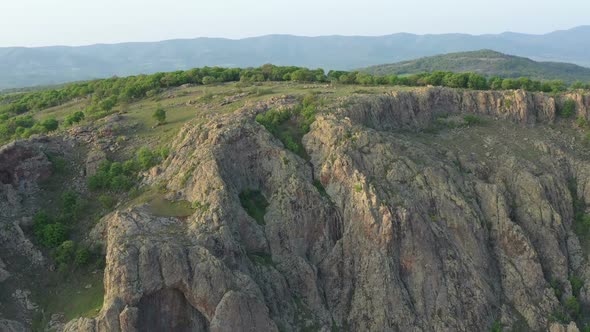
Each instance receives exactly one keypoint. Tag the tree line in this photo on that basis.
(105, 94)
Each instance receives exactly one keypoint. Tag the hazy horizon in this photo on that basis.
(72, 23)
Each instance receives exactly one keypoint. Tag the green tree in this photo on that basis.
(54, 235)
(146, 158)
(82, 256)
(207, 80)
(477, 82)
(160, 115)
(568, 109)
(50, 124)
(64, 253)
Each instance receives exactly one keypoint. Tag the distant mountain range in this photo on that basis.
(489, 63)
(21, 66)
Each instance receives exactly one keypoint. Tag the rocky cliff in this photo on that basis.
(393, 224)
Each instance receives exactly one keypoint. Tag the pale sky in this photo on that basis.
(83, 22)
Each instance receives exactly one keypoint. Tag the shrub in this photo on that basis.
(82, 257)
(64, 253)
(572, 306)
(40, 220)
(581, 122)
(113, 176)
(74, 118)
(472, 120)
(53, 235)
(576, 284)
(496, 326)
(358, 187)
(146, 158)
(107, 201)
(568, 109)
(557, 288)
(255, 204)
(50, 124)
(159, 115)
(207, 80)
(71, 204)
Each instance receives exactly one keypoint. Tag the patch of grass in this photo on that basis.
(162, 207)
(255, 204)
(290, 125)
(358, 187)
(472, 120)
(261, 258)
(557, 288)
(71, 297)
(572, 306)
(496, 326)
(576, 284)
(320, 188)
(199, 206)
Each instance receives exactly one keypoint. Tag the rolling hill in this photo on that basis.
(489, 63)
(21, 66)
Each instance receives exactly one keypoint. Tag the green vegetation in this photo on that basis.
(199, 206)
(103, 97)
(255, 204)
(576, 284)
(568, 109)
(51, 231)
(489, 63)
(160, 115)
(261, 258)
(472, 120)
(557, 288)
(114, 176)
(497, 326)
(358, 187)
(74, 295)
(318, 184)
(121, 177)
(162, 207)
(572, 306)
(290, 125)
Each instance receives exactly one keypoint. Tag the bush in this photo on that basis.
(568, 109)
(572, 306)
(82, 257)
(146, 158)
(107, 201)
(255, 204)
(74, 118)
(64, 253)
(496, 326)
(576, 284)
(50, 124)
(53, 235)
(472, 120)
(71, 204)
(207, 80)
(40, 220)
(160, 115)
(113, 176)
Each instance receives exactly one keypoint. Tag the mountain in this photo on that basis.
(489, 63)
(299, 207)
(20, 66)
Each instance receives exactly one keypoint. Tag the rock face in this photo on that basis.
(415, 232)
(22, 165)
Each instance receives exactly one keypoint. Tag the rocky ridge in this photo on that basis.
(412, 233)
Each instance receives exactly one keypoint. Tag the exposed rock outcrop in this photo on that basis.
(416, 232)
